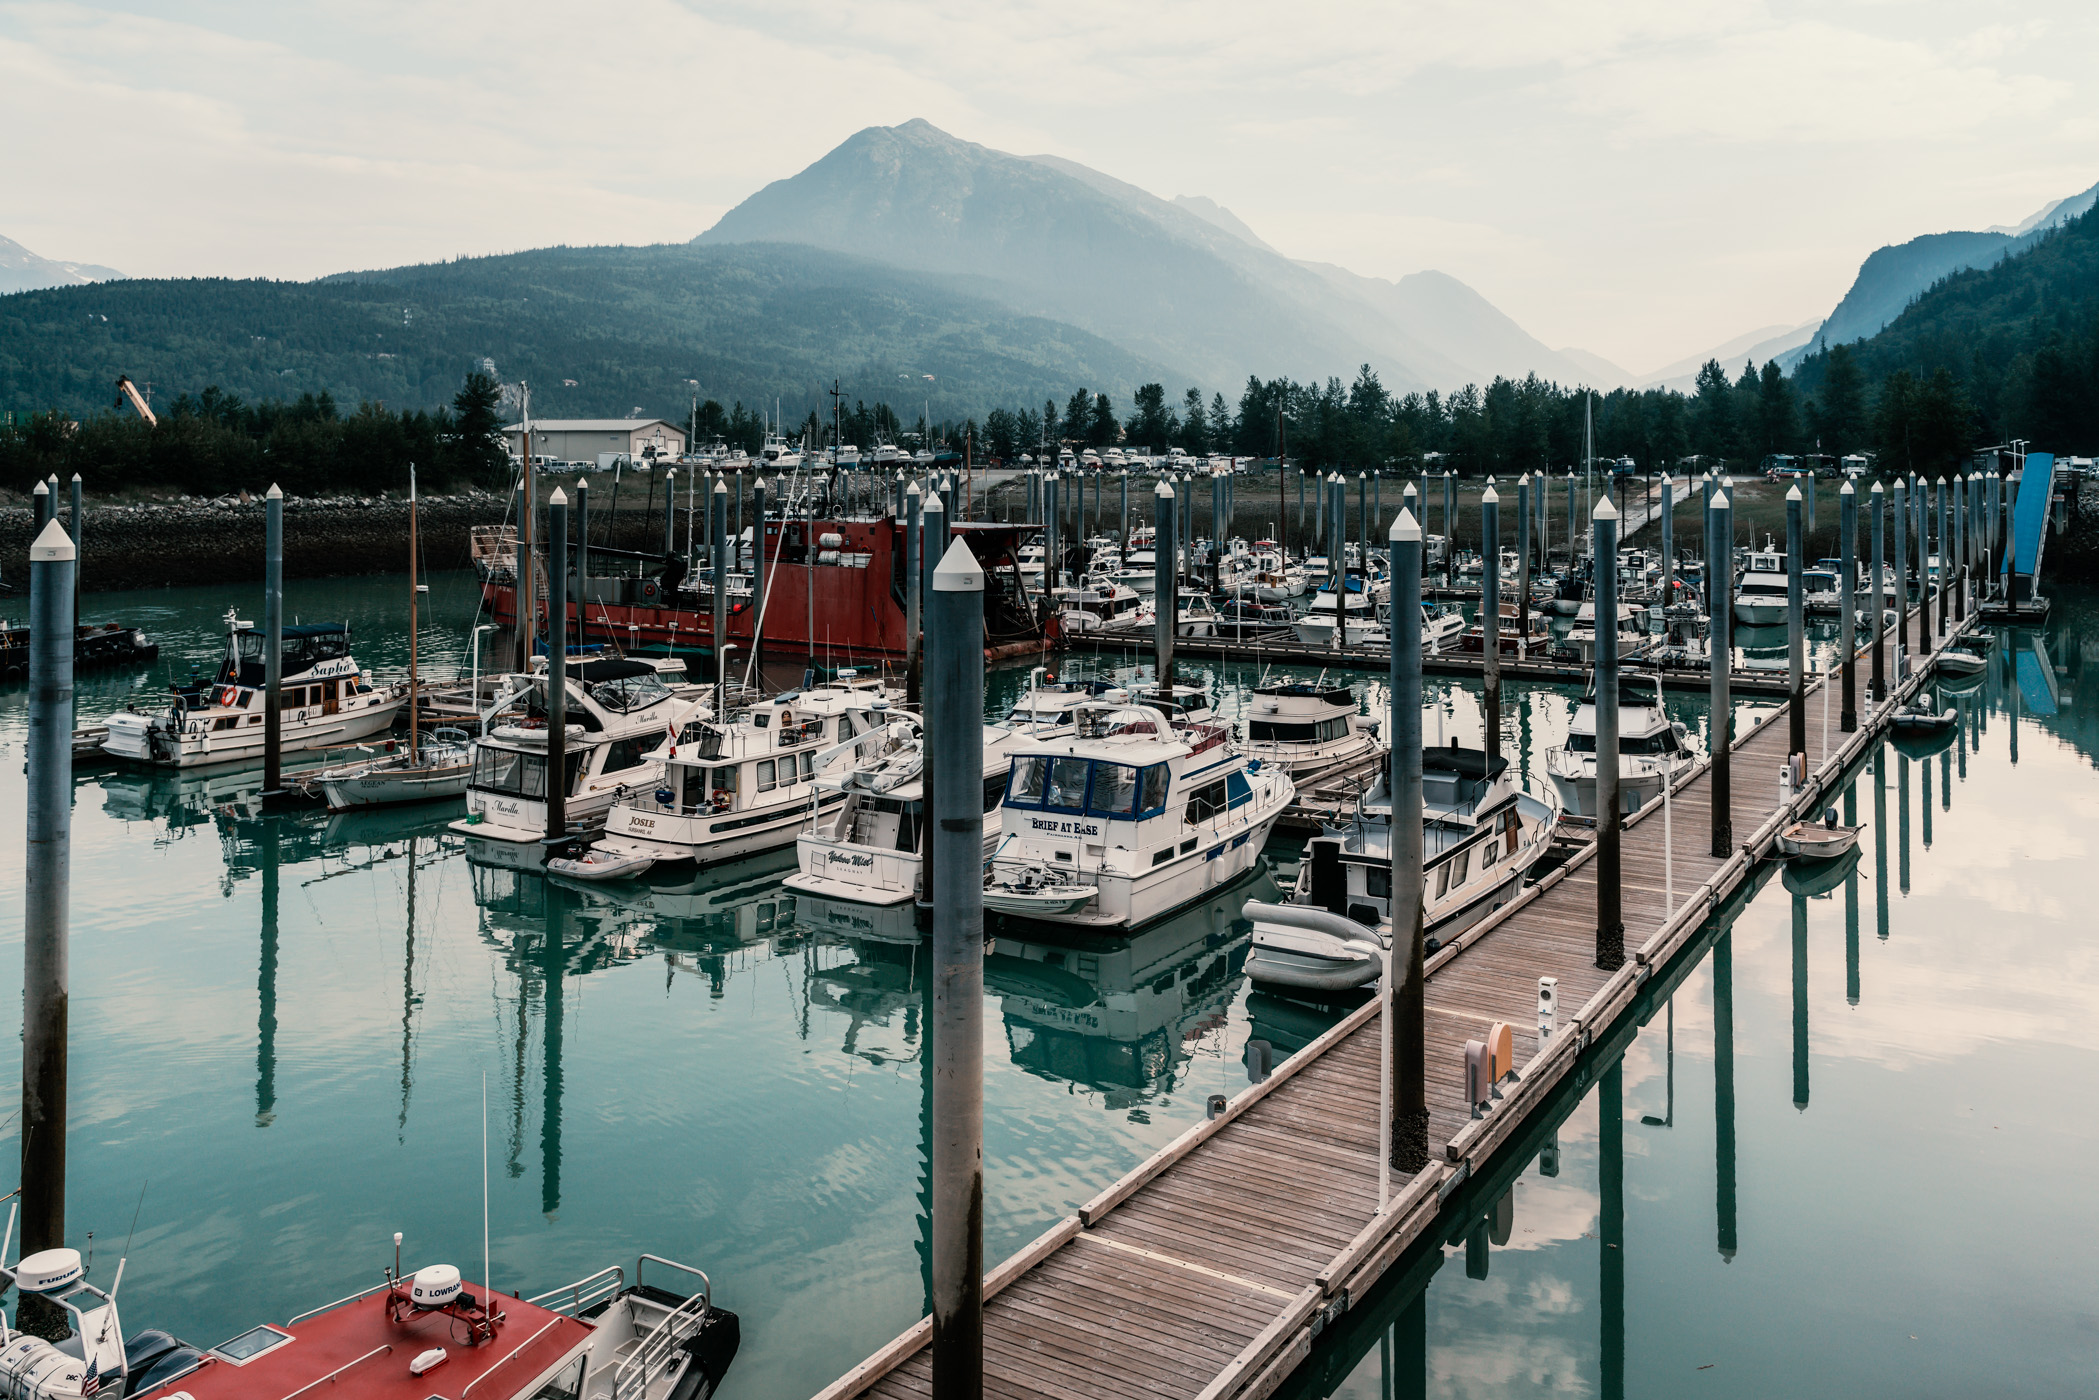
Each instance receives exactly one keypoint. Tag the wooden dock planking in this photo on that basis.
(1206, 1270)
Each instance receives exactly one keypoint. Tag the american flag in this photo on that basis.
(91, 1382)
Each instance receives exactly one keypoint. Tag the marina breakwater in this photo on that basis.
(153, 544)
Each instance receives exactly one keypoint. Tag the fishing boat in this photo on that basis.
(1480, 836)
(1651, 749)
(1823, 840)
(618, 713)
(867, 848)
(1305, 727)
(94, 644)
(1128, 818)
(429, 1332)
(724, 791)
(424, 771)
(325, 700)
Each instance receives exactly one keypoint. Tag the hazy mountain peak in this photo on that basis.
(1210, 211)
(2058, 211)
(24, 271)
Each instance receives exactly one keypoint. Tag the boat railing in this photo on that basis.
(570, 1299)
(663, 1344)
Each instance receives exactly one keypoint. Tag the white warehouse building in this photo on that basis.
(586, 439)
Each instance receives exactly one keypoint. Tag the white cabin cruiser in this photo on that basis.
(1340, 619)
(1128, 818)
(1101, 605)
(1307, 727)
(727, 791)
(618, 713)
(1650, 750)
(1480, 835)
(866, 849)
(325, 702)
(1631, 628)
(1760, 589)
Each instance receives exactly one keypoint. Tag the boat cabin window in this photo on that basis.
(699, 740)
(1114, 790)
(1322, 731)
(761, 719)
(994, 793)
(1154, 791)
(565, 1384)
(1207, 802)
(845, 728)
(622, 754)
(1025, 788)
(1066, 789)
(514, 773)
(768, 778)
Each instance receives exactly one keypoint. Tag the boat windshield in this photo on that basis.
(630, 692)
(513, 773)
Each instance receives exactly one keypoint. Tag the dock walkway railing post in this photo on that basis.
(1404, 989)
(1610, 819)
(47, 900)
(955, 734)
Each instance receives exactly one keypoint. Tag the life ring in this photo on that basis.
(229, 696)
(722, 801)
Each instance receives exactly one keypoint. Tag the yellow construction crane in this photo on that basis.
(128, 390)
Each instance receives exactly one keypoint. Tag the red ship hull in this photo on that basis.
(845, 604)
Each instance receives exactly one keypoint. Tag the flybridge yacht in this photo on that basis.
(1631, 629)
(1101, 605)
(618, 713)
(728, 791)
(1650, 749)
(325, 701)
(1760, 589)
(1305, 727)
(1128, 818)
(1480, 835)
(866, 849)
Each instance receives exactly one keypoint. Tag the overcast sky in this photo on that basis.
(1644, 178)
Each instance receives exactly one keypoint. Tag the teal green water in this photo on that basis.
(283, 1027)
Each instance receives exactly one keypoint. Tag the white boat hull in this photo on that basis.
(131, 737)
(384, 787)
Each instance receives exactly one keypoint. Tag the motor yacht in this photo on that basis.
(618, 713)
(1247, 620)
(324, 701)
(1099, 604)
(1650, 749)
(1480, 835)
(1307, 727)
(1128, 818)
(1631, 629)
(1760, 589)
(866, 849)
(731, 790)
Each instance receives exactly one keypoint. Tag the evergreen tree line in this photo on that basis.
(213, 442)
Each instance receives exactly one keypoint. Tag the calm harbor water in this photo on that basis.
(284, 1026)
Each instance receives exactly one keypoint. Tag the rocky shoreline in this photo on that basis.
(193, 540)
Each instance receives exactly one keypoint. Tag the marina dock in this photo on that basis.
(1208, 1270)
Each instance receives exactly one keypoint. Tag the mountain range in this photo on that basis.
(1182, 282)
(23, 271)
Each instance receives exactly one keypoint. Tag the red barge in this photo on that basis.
(833, 591)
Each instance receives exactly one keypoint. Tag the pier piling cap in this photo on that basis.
(959, 571)
(1793, 492)
(933, 505)
(1845, 489)
(1604, 510)
(1490, 497)
(1163, 488)
(1876, 488)
(41, 490)
(1405, 529)
(274, 493)
(53, 546)
(559, 498)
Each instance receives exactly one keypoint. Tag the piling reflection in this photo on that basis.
(1880, 841)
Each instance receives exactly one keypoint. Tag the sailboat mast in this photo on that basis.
(413, 728)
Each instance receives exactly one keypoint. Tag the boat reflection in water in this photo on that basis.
(1117, 1012)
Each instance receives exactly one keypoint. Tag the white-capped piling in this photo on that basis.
(1490, 612)
(1876, 599)
(914, 522)
(1610, 821)
(1403, 990)
(1719, 655)
(718, 570)
(1796, 630)
(1847, 597)
(1523, 566)
(1164, 608)
(1899, 555)
(1450, 526)
(39, 507)
(77, 528)
(670, 511)
(955, 743)
(1668, 540)
(47, 889)
(557, 669)
(273, 641)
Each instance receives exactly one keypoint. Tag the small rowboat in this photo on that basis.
(1917, 719)
(1815, 841)
(598, 863)
(1032, 892)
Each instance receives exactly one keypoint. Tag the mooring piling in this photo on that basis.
(273, 641)
(1610, 818)
(1847, 594)
(1163, 578)
(557, 670)
(1719, 655)
(1490, 613)
(47, 895)
(955, 740)
(1403, 992)
(1796, 632)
